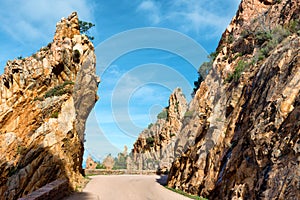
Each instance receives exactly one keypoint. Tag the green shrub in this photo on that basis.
(237, 71)
(247, 32)
(59, 90)
(38, 99)
(280, 33)
(46, 48)
(294, 26)
(172, 134)
(54, 114)
(197, 83)
(230, 39)
(148, 160)
(237, 55)
(270, 40)
(150, 125)
(203, 71)
(21, 149)
(68, 82)
(163, 114)
(100, 166)
(212, 56)
(263, 36)
(150, 141)
(261, 57)
(189, 113)
(84, 28)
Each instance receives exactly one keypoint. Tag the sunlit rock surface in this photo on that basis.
(45, 101)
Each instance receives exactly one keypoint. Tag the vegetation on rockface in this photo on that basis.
(189, 113)
(54, 114)
(84, 28)
(197, 84)
(294, 26)
(266, 40)
(38, 99)
(163, 114)
(59, 90)
(150, 125)
(203, 72)
(172, 134)
(269, 39)
(235, 76)
(150, 141)
(21, 149)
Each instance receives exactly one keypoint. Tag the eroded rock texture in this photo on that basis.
(155, 145)
(247, 142)
(45, 100)
(90, 163)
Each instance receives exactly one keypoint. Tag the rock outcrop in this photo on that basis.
(154, 147)
(45, 100)
(247, 143)
(90, 163)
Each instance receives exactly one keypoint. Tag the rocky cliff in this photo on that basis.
(45, 101)
(154, 146)
(247, 143)
(90, 163)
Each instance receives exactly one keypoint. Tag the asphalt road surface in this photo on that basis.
(126, 187)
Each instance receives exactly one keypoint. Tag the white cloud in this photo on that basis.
(147, 5)
(33, 21)
(152, 9)
(191, 15)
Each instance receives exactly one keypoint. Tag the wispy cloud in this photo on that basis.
(190, 16)
(33, 21)
(152, 9)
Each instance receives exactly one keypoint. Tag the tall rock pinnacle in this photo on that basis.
(45, 101)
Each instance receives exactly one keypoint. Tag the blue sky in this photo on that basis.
(145, 49)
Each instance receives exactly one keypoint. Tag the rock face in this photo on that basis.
(155, 146)
(45, 100)
(90, 163)
(247, 143)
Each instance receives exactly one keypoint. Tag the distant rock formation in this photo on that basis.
(154, 147)
(90, 163)
(45, 101)
(246, 125)
(109, 162)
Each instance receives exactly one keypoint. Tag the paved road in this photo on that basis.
(126, 187)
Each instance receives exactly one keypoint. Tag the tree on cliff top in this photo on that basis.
(84, 28)
(203, 72)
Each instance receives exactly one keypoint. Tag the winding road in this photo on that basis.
(126, 187)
